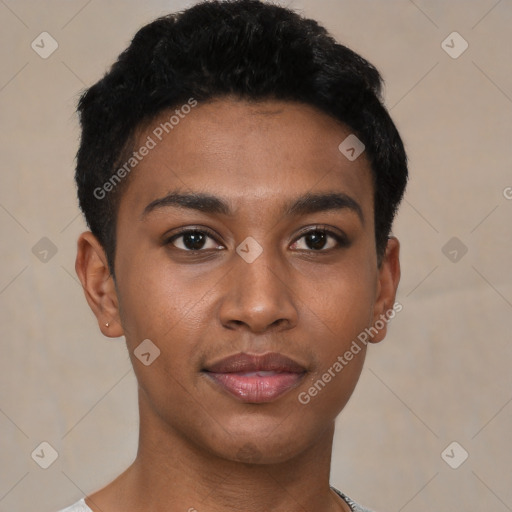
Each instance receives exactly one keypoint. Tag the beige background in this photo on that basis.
(443, 373)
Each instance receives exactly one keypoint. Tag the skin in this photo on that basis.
(199, 447)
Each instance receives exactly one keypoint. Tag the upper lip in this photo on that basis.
(242, 362)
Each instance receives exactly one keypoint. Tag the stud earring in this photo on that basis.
(107, 324)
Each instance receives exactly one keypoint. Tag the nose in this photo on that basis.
(259, 295)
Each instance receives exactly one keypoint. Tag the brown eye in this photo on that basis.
(318, 240)
(193, 240)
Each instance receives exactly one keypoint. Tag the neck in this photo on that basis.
(171, 472)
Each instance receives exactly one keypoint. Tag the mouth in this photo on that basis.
(256, 378)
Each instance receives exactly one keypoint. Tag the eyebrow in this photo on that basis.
(303, 205)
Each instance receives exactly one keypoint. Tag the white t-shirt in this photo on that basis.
(80, 505)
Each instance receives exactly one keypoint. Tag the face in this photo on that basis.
(245, 234)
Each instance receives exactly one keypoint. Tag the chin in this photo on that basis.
(263, 448)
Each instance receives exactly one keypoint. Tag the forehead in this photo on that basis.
(251, 153)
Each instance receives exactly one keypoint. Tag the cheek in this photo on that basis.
(338, 307)
(341, 298)
(170, 307)
(161, 305)
(153, 296)
(328, 390)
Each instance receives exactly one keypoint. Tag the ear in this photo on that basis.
(388, 279)
(92, 269)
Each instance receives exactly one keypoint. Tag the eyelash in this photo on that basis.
(341, 240)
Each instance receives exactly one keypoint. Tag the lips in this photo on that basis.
(270, 362)
(256, 378)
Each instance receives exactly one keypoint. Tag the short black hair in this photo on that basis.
(246, 48)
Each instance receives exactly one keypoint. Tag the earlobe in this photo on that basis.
(92, 269)
(388, 279)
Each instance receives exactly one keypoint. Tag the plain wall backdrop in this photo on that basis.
(443, 373)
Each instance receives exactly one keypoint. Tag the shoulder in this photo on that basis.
(79, 506)
(355, 507)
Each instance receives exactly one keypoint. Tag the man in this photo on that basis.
(240, 176)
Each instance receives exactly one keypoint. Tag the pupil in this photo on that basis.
(318, 240)
(196, 240)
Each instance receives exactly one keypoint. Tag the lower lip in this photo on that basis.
(255, 389)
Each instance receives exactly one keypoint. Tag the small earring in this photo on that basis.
(107, 324)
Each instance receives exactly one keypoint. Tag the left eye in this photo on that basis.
(316, 240)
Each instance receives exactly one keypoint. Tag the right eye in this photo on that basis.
(193, 240)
